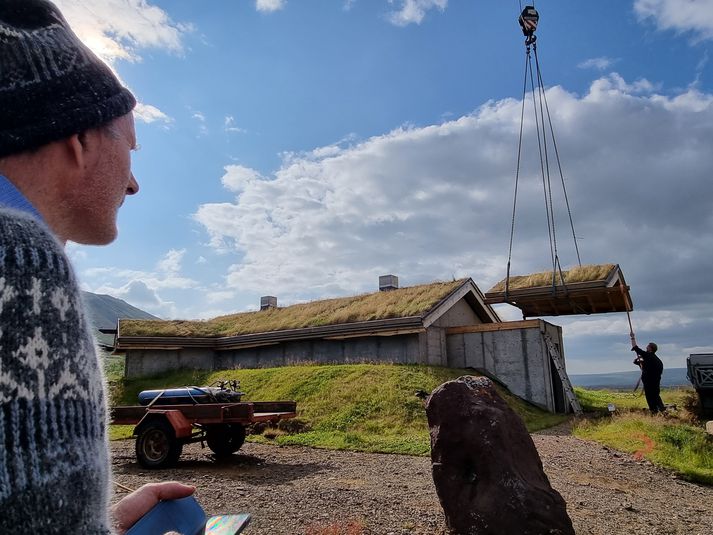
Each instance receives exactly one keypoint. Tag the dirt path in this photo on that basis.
(294, 490)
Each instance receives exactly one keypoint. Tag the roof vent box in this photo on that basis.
(267, 302)
(388, 282)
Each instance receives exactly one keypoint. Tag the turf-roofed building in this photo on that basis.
(441, 324)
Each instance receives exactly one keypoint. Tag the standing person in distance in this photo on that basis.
(651, 371)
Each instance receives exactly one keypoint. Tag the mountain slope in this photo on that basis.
(104, 312)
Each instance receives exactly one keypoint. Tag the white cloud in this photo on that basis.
(119, 29)
(601, 63)
(229, 125)
(150, 114)
(413, 11)
(200, 118)
(144, 289)
(434, 202)
(238, 177)
(171, 262)
(683, 16)
(220, 295)
(269, 6)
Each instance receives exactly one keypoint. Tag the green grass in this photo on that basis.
(597, 400)
(665, 441)
(676, 440)
(361, 407)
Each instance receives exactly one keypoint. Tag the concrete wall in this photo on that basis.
(144, 362)
(404, 349)
(517, 357)
(400, 349)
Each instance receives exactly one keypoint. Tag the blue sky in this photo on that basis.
(302, 148)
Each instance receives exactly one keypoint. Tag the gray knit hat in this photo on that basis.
(51, 85)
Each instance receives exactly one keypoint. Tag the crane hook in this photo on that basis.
(528, 22)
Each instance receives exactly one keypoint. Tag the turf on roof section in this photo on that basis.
(592, 289)
(403, 302)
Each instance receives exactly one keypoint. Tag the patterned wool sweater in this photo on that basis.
(54, 462)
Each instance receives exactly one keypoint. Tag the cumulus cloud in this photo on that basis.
(119, 29)
(144, 289)
(682, 16)
(150, 114)
(171, 262)
(269, 6)
(413, 11)
(434, 203)
(601, 63)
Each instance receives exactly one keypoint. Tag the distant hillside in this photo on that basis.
(105, 310)
(671, 377)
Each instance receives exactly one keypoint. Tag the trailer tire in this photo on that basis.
(225, 439)
(156, 445)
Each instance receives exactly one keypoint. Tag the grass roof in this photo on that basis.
(404, 302)
(587, 273)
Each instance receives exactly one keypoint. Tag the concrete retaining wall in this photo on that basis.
(403, 349)
(517, 357)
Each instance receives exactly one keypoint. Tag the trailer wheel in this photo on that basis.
(156, 445)
(225, 439)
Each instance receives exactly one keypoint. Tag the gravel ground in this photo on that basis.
(294, 490)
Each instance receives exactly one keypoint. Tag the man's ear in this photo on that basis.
(76, 148)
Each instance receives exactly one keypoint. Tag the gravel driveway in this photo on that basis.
(295, 490)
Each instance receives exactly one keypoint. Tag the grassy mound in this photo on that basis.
(361, 407)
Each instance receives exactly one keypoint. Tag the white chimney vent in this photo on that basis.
(388, 282)
(267, 302)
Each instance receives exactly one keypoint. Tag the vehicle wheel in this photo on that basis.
(156, 445)
(225, 439)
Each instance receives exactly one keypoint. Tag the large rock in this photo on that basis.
(487, 472)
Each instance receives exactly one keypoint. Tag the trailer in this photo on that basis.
(166, 420)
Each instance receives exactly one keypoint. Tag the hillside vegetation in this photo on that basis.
(363, 407)
(676, 440)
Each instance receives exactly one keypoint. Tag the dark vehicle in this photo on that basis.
(215, 415)
(700, 373)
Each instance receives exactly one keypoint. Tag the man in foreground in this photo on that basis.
(651, 371)
(66, 132)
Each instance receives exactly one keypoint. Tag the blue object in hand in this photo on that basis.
(186, 517)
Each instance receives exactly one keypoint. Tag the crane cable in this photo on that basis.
(539, 94)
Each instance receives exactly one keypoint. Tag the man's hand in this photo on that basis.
(135, 505)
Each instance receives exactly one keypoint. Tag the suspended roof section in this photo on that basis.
(591, 289)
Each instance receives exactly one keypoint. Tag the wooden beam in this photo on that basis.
(375, 333)
(246, 346)
(490, 327)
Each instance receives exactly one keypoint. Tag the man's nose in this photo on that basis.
(133, 187)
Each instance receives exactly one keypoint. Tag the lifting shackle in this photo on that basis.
(528, 22)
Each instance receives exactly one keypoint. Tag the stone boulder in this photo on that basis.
(487, 472)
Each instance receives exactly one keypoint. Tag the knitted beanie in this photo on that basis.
(51, 85)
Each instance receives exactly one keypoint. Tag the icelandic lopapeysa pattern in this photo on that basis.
(53, 444)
